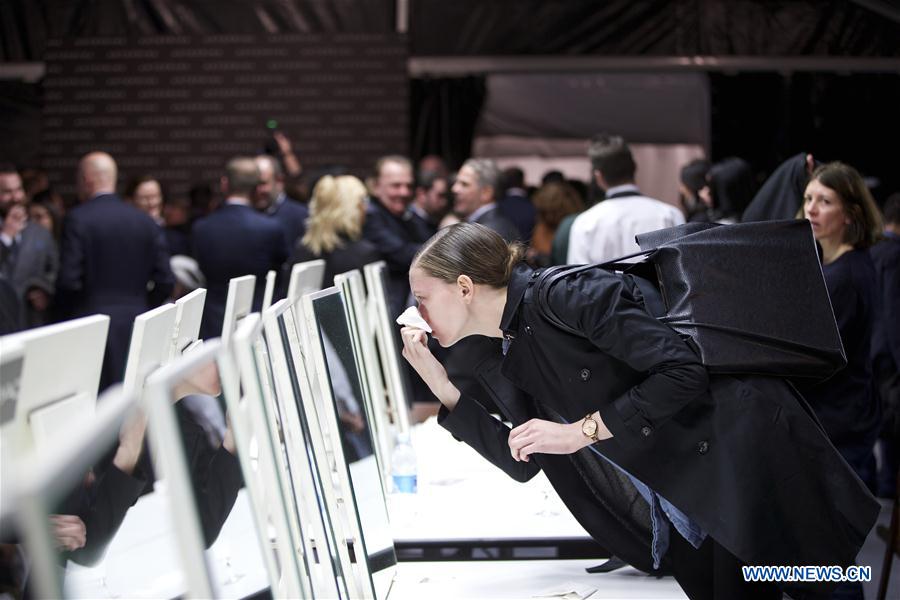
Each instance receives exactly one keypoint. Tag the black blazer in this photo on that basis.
(110, 252)
(291, 216)
(351, 255)
(234, 241)
(397, 239)
(518, 208)
(742, 457)
(496, 221)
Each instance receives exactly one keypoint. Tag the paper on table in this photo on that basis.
(568, 591)
(412, 318)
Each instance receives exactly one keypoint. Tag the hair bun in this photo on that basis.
(516, 255)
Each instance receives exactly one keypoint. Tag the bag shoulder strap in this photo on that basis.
(543, 284)
(541, 294)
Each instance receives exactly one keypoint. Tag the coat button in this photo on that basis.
(585, 374)
(703, 447)
(528, 329)
(646, 431)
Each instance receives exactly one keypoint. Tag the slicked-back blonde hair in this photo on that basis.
(469, 249)
(334, 211)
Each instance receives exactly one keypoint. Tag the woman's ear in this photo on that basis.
(466, 287)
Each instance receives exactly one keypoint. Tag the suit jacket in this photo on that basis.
(517, 207)
(744, 458)
(496, 221)
(37, 261)
(234, 241)
(424, 224)
(111, 254)
(10, 308)
(351, 255)
(178, 239)
(291, 216)
(35, 266)
(397, 239)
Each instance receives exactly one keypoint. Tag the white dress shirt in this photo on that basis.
(607, 230)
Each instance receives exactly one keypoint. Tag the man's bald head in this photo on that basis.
(97, 175)
(241, 177)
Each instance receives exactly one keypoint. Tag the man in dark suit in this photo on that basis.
(390, 225)
(475, 192)
(114, 260)
(30, 259)
(430, 202)
(271, 199)
(515, 204)
(236, 240)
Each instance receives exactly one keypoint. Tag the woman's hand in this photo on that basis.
(546, 437)
(432, 372)
(69, 532)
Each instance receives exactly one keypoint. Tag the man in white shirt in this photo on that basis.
(607, 230)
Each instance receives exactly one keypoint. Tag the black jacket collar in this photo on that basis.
(522, 276)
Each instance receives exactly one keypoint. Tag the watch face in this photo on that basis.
(589, 427)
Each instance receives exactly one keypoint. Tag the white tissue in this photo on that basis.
(569, 591)
(412, 318)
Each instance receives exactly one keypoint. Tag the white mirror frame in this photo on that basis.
(389, 355)
(41, 479)
(342, 499)
(238, 303)
(264, 479)
(170, 463)
(306, 277)
(65, 374)
(367, 359)
(305, 484)
(269, 291)
(188, 315)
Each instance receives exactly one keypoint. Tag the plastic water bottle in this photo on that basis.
(403, 466)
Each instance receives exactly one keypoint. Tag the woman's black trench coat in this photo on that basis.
(743, 457)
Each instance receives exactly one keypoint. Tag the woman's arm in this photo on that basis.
(603, 308)
(471, 423)
(462, 415)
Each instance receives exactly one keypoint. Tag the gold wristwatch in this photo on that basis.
(589, 427)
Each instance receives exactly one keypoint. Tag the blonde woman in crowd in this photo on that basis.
(337, 212)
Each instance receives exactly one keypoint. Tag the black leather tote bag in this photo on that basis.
(751, 296)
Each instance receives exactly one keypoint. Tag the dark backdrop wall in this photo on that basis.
(765, 116)
(768, 117)
(179, 106)
(654, 27)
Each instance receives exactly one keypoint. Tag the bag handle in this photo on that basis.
(548, 277)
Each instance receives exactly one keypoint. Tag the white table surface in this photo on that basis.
(529, 579)
(464, 497)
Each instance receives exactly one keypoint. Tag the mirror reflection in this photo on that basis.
(299, 479)
(120, 530)
(353, 425)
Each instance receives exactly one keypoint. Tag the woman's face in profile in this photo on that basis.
(441, 304)
(825, 211)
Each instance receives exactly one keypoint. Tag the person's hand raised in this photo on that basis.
(432, 372)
